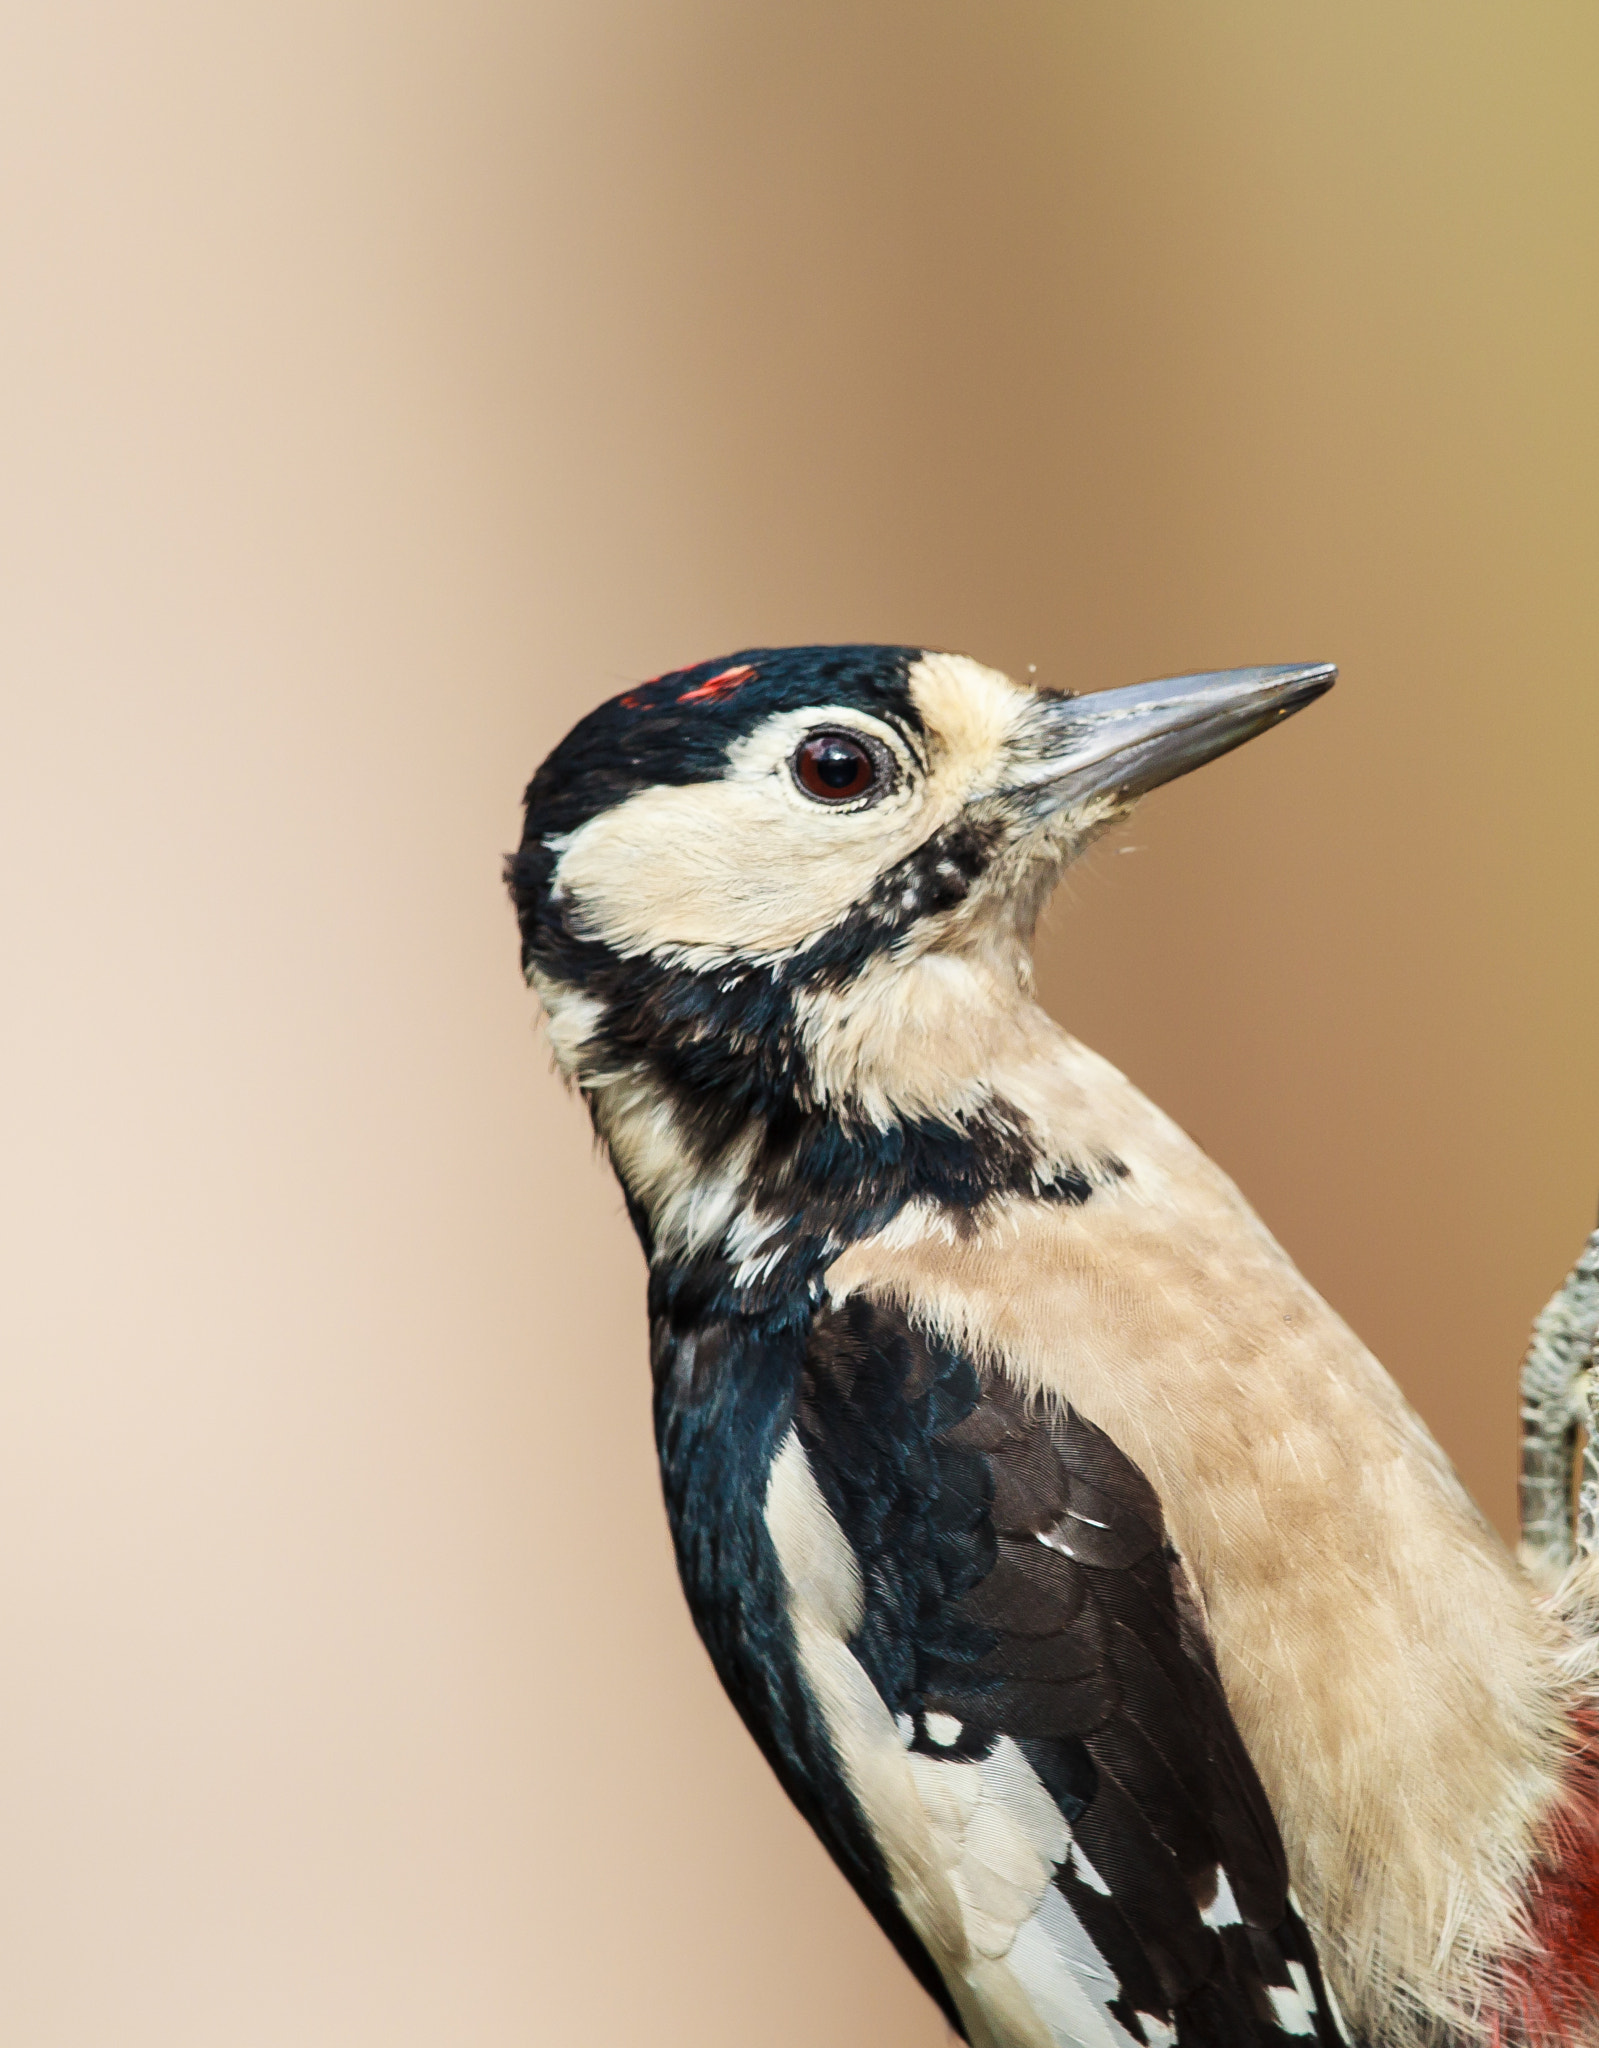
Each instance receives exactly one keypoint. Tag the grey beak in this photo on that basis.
(1120, 743)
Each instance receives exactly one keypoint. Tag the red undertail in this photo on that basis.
(1551, 1994)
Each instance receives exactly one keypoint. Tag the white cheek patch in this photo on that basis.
(744, 866)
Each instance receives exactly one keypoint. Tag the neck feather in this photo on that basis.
(758, 1128)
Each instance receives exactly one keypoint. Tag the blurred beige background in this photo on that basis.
(382, 385)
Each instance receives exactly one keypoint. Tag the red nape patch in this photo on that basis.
(1551, 1994)
(716, 686)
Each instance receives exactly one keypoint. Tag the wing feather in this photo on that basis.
(1070, 1781)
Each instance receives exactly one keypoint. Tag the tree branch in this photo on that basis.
(1559, 1407)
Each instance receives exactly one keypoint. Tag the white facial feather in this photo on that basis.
(745, 866)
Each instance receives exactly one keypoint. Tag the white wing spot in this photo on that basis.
(1086, 1871)
(906, 1727)
(1156, 2031)
(1295, 2009)
(1223, 1909)
(943, 1729)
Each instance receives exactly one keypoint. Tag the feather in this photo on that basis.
(1074, 1767)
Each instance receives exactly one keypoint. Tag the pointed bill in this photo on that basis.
(1120, 743)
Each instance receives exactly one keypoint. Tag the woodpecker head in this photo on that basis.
(737, 879)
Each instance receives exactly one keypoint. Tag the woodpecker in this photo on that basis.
(1090, 1588)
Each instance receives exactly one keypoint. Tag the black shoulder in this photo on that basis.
(1019, 1584)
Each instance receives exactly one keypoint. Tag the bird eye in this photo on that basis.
(837, 768)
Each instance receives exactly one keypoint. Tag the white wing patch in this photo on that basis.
(971, 1848)
(1085, 1870)
(1295, 2009)
(1223, 1909)
(1067, 1978)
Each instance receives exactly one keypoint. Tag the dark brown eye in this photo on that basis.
(835, 767)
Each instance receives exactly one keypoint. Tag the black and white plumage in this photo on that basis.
(1077, 1571)
(1028, 1627)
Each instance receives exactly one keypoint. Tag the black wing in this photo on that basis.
(1019, 1584)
